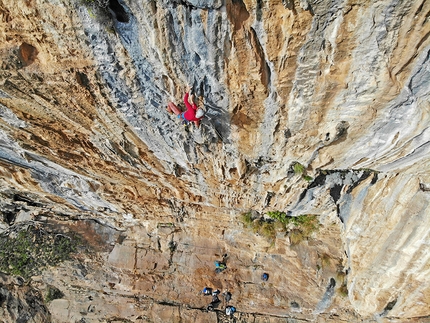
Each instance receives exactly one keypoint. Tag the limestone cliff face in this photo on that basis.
(340, 87)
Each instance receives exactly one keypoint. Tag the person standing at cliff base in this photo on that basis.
(193, 113)
(230, 310)
(206, 291)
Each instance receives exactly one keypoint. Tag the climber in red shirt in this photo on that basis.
(193, 113)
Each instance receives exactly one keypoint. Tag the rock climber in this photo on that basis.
(219, 266)
(229, 310)
(215, 301)
(193, 113)
(227, 296)
(265, 277)
(207, 291)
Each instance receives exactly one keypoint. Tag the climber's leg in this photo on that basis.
(171, 107)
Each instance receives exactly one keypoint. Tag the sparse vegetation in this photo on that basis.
(100, 11)
(256, 225)
(26, 250)
(308, 178)
(300, 169)
(267, 229)
(306, 223)
(53, 293)
(278, 215)
(298, 228)
(259, 225)
(296, 236)
(325, 260)
(343, 289)
(247, 218)
(100, 3)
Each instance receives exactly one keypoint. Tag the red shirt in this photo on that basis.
(190, 114)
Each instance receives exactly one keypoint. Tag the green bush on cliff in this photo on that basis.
(307, 178)
(26, 250)
(300, 169)
(259, 225)
(305, 222)
(247, 218)
(268, 230)
(343, 288)
(278, 215)
(299, 228)
(52, 293)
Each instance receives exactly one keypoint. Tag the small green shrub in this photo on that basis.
(302, 226)
(307, 178)
(278, 215)
(307, 223)
(298, 168)
(343, 290)
(53, 293)
(267, 230)
(325, 260)
(247, 218)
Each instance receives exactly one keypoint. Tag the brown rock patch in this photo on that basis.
(27, 54)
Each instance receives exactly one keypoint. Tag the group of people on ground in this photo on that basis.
(207, 291)
(229, 310)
